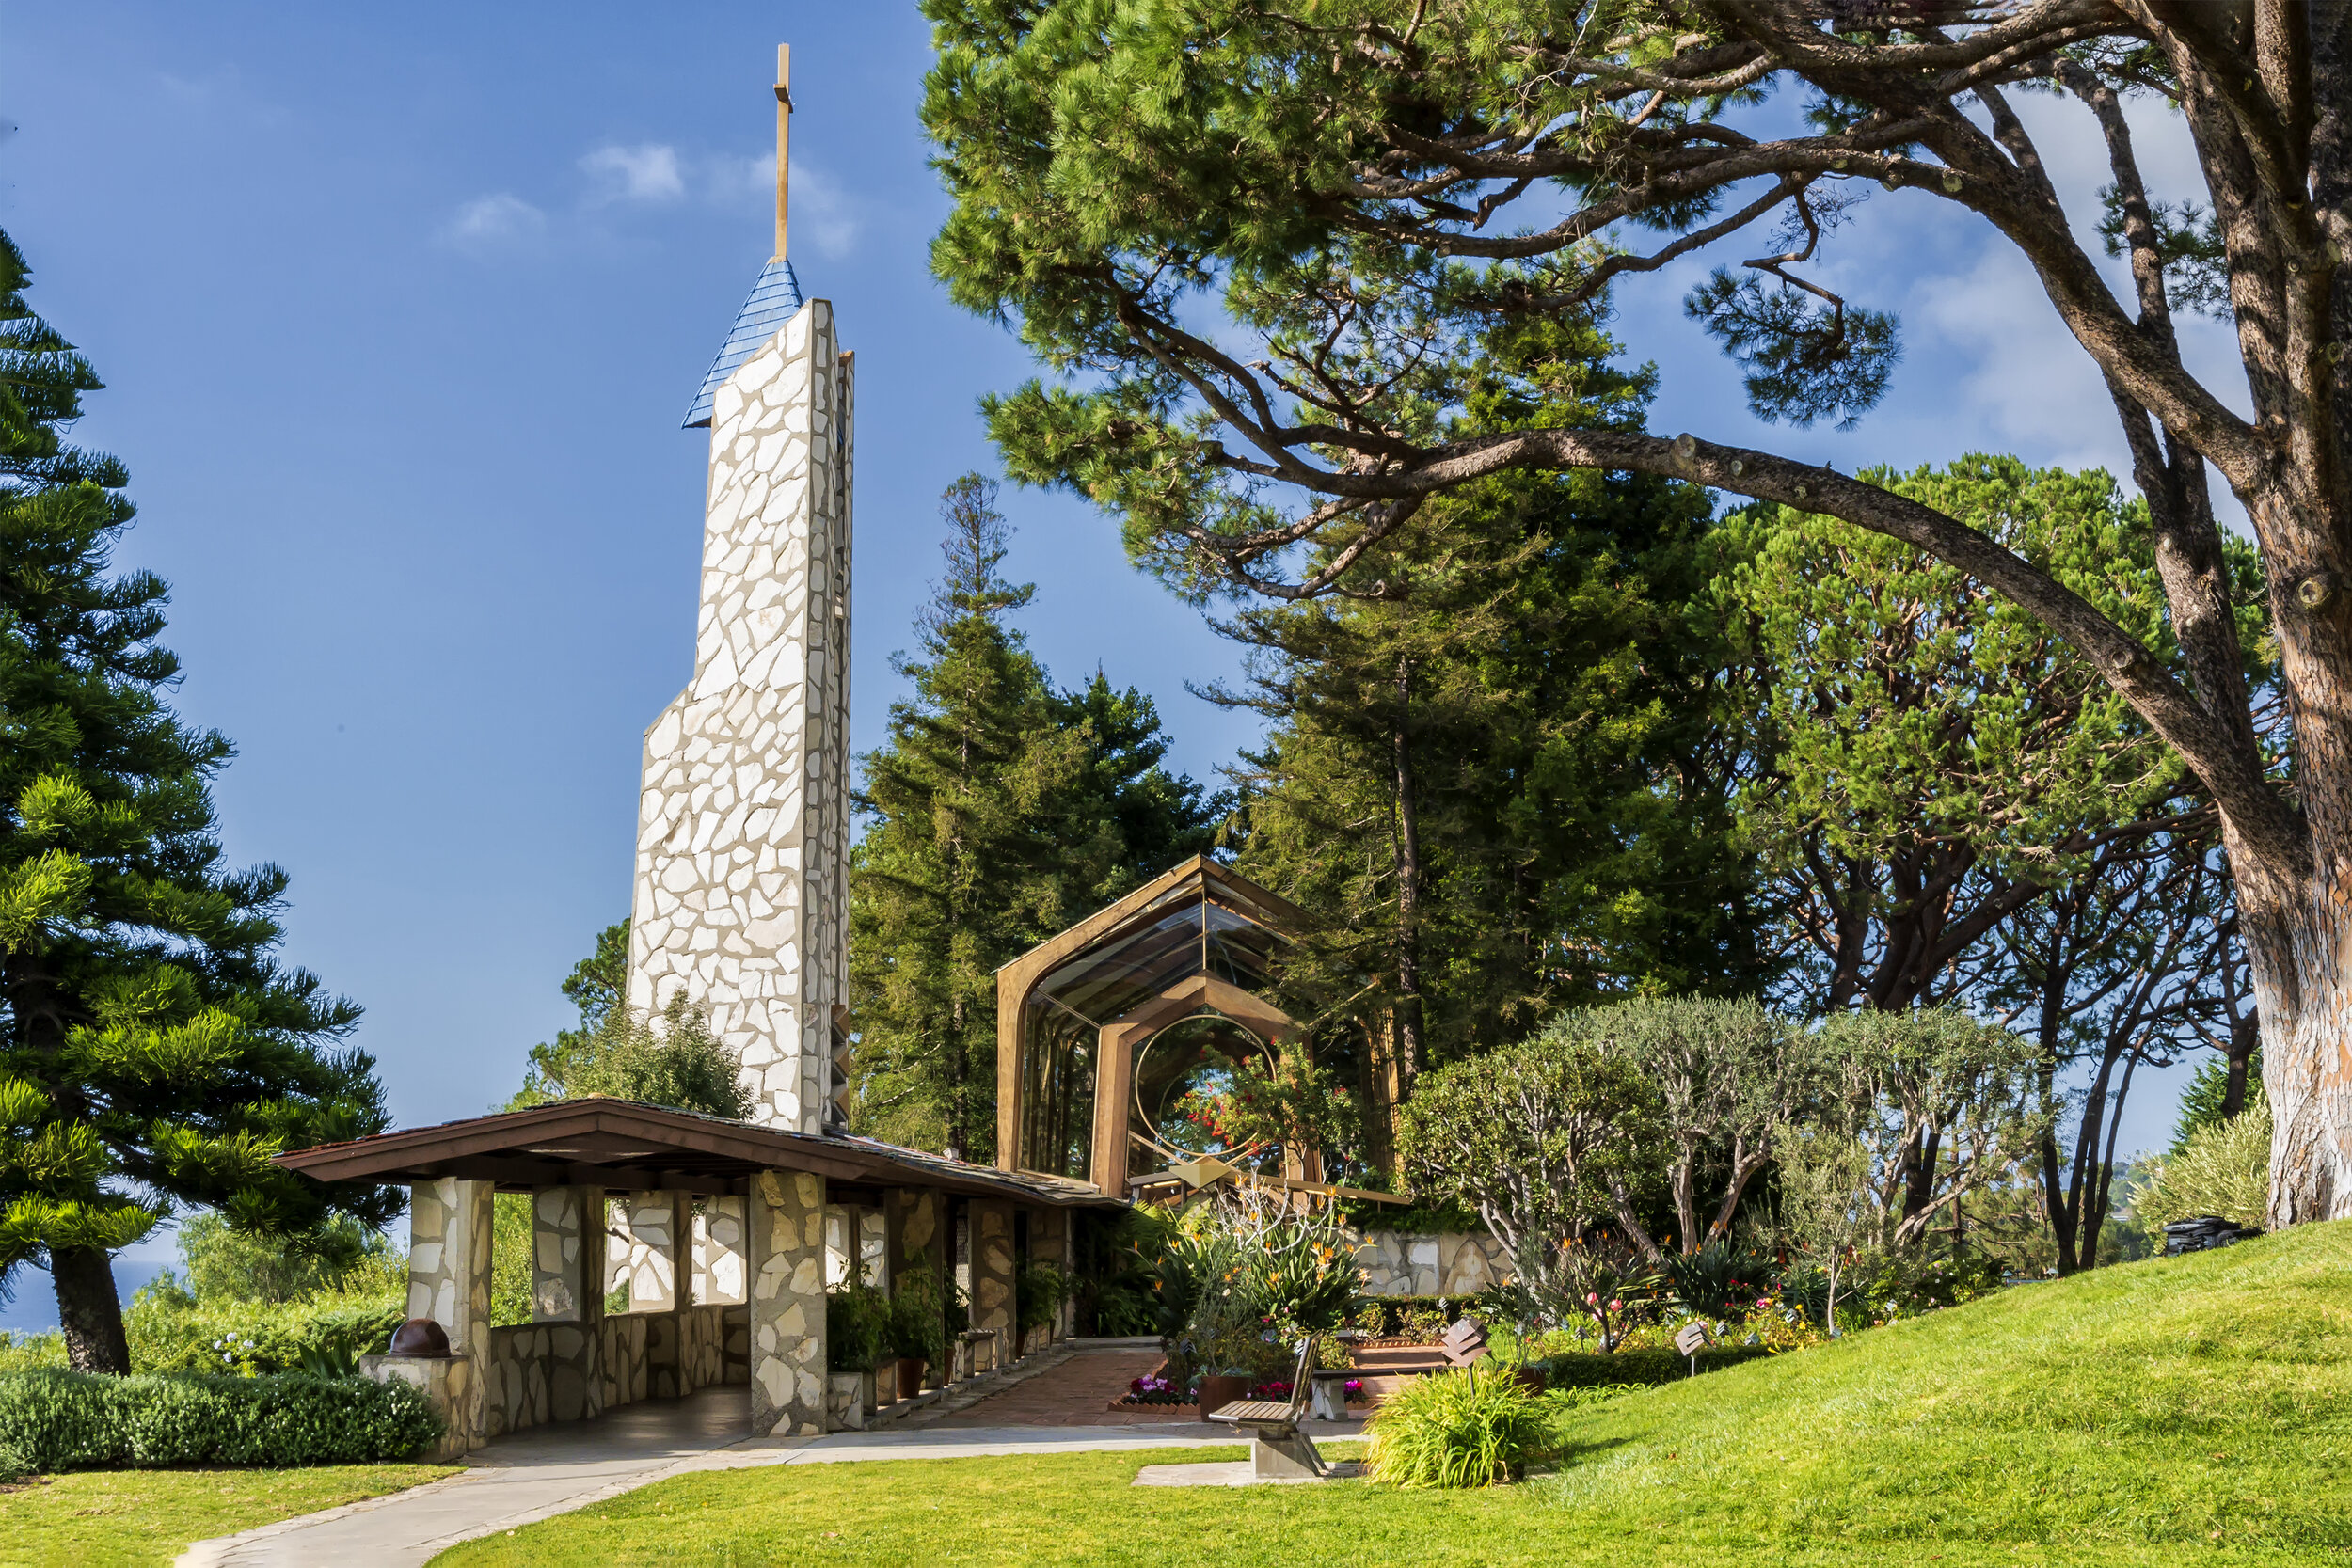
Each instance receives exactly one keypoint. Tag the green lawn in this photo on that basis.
(2195, 1410)
(145, 1518)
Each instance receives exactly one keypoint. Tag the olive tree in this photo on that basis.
(1731, 1080)
(1538, 1137)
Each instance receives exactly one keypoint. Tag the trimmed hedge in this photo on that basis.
(1647, 1367)
(63, 1420)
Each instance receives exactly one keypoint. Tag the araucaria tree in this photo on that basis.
(1392, 201)
(153, 1053)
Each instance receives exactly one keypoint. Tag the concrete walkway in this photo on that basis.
(550, 1470)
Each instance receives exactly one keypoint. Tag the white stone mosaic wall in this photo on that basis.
(1450, 1265)
(650, 1226)
(740, 897)
(719, 1243)
(787, 1306)
(529, 1379)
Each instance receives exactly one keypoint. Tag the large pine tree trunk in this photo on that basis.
(89, 1310)
(2304, 993)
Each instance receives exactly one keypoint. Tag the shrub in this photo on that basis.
(1039, 1289)
(918, 1320)
(170, 1330)
(1639, 1369)
(23, 1352)
(857, 1327)
(1422, 1318)
(1467, 1428)
(61, 1421)
(2222, 1169)
(227, 1264)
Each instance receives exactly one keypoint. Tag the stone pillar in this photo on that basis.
(991, 1274)
(1048, 1243)
(914, 1241)
(449, 1281)
(567, 1294)
(787, 1319)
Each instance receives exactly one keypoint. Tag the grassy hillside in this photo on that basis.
(2176, 1411)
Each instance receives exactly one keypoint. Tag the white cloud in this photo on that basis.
(822, 213)
(490, 222)
(825, 217)
(647, 172)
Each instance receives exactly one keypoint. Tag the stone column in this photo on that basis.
(567, 1292)
(1048, 1243)
(787, 1257)
(449, 1281)
(741, 899)
(914, 1232)
(991, 1274)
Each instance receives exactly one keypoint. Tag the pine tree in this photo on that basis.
(998, 810)
(1506, 782)
(152, 1052)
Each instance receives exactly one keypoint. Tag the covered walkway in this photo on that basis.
(720, 1241)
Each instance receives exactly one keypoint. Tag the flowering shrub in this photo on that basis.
(1251, 1287)
(1154, 1390)
(1287, 1103)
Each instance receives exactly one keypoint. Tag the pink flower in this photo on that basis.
(1616, 1306)
(1591, 1299)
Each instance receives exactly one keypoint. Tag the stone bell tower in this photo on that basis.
(742, 826)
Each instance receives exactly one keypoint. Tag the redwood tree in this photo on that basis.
(1395, 203)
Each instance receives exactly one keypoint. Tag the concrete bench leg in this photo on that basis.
(1284, 1454)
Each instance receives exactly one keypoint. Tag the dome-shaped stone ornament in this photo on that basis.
(420, 1337)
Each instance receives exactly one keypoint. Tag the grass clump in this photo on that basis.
(1464, 1428)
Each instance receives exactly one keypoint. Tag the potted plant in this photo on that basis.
(917, 1333)
(1218, 1389)
(857, 1320)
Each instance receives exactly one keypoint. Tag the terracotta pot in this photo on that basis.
(1218, 1392)
(910, 1376)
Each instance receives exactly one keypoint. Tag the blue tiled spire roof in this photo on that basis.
(775, 300)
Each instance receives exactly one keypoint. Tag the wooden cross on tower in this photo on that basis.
(784, 142)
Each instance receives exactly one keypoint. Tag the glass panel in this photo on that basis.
(1056, 1093)
(1196, 1053)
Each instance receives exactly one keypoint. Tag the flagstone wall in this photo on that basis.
(740, 898)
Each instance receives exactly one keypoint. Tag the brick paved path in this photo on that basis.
(1076, 1393)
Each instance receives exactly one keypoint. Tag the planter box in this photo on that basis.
(1218, 1392)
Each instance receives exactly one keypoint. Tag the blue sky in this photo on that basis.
(400, 309)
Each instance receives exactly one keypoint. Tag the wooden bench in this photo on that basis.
(1461, 1346)
(1277, 1449)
